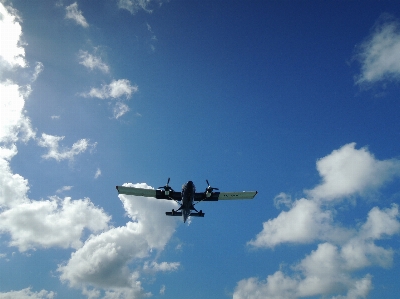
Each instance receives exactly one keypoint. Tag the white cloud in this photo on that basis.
(38, 69)
(162, 289)
(28, 294)
(55, 117)
(276, 286)
(73, 13)
(120, 109)
(102, 262)
(283, 199)
(13, 187)
(98, 173)
(304, 223)
(51, 142)
(161, 267)
(92, 62)
(116, 89)
(53, 222)
(14, 122)
(380, 53)
(64, 188)
(349, 171)
(333, 269)
(11, 50)
(133, 6)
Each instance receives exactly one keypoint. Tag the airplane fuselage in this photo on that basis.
(188, 191)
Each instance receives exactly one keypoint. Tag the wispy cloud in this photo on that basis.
(38, 69)
(73, 13)
(120, 109)
(133, 6)
(161, 267)
(64, 188)
(51, 142)
(116, 89)
(342, 251)
(162, 289)
(379, 54)
(98, 173)
(92, 62)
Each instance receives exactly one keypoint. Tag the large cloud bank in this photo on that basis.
(341, 252)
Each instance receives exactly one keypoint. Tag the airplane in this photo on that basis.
(187, 197)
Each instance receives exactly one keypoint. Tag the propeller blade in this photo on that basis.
(209, 188)
(166, 187)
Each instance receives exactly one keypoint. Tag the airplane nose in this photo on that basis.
(190, 186)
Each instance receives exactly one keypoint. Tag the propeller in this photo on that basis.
(209, 188)
(166, 187)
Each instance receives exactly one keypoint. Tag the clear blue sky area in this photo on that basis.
(298, 100)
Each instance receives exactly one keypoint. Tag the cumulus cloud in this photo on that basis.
(331, 269)
(14, 123)
(303, 223)
(348, 171)
(116, 89)
(13, 187)
(51, 142)
(379, 54)
(28, 294)
(92, 62)
(12, 53)
(103, 261)
(73, 13)
(54, 222)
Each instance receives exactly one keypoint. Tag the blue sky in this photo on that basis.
(298, 100)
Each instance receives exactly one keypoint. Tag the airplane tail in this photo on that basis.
(180, 214)
(173, 213)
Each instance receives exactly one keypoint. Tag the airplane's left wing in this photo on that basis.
(149, 193)
(215, 196)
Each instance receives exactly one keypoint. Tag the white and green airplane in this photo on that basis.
(187, 198)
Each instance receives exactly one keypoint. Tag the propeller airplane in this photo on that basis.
(187, 198)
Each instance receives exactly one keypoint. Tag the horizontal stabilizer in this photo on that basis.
(173, 214)
(197, 214)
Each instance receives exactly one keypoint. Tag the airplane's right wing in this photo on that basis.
(215, 196)
(236, 195)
